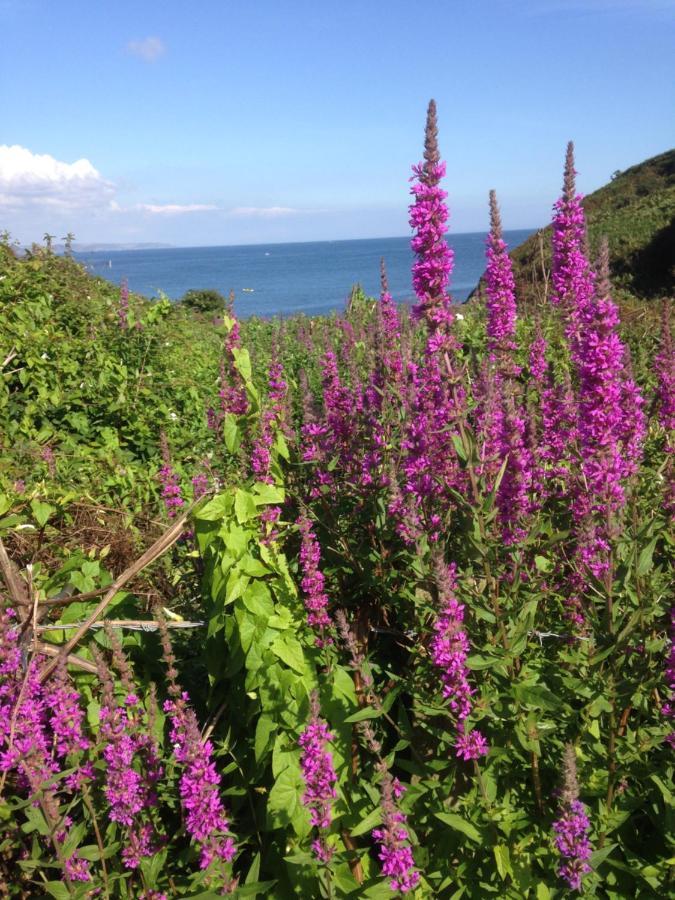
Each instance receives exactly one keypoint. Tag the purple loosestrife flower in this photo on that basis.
(450, 645)
(611, 423)
(24, 741)
(200, 484)
(514, 495)
(261, 456)
(10, 673)
(123, 308)
(471, 745)
(313, 581)
(126, 789)
(537, 361)
(205, 819)
(500, 292)
(571, 829)
(319, 776)
(389, 323)
(395, 852)
(77, 869)
(430, 464)
(664, 366)
(66, 714)
(47, 456)
(428, 218)
(171, 490)
(572, 277)
(449, 650)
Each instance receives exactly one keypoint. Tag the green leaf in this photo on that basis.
(57, 889)
(264, 730)
(645, 560)
(231, 434)
(268, 494)
(253, 567)
(542, 564)
(372, 820)
(244, 506)
(216, 509)
(599, 856)
(289, 650)
(537, 695)
(459, 824)
(242, 362)
(285, 796)
(543, 892)
(42, 512)
(503, 860)
(257, 599)
(368, 713)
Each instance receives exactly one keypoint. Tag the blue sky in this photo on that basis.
(242, 122)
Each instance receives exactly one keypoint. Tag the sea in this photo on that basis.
(314, 278)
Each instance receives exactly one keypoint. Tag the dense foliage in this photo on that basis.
(385, 599)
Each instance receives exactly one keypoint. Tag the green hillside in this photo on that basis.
(636, 211)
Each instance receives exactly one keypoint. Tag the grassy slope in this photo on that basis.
(636, 211)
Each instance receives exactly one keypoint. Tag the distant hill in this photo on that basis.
(636, 211)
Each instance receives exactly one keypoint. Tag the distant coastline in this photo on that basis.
(310, 277)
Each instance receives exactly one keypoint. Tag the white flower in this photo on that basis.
(44, 356)
(173, 416)
(459, 316)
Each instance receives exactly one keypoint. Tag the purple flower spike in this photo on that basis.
(205, 819)
(312, 582)
(428, 218)
(571, 829)
(395, 852)
(319, 775)
(500, 288)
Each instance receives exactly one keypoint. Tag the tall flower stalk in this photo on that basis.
(428, 219)
(449, 651)
(572, 827)
(319, 776)
(500, 290)
(394, 849)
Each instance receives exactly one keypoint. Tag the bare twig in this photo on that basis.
(16, 587)
(72, 660)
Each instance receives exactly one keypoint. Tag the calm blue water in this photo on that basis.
(312, 278)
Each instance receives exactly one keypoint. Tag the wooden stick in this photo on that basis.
(158, 548)
(71, 659)
(17, 589)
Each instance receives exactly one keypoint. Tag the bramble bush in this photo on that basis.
(411, 571)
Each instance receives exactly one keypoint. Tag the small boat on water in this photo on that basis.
(248, 290)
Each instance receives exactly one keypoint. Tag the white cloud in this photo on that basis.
(148, 49)
(265, 212)
(29, 179)
(174, 209)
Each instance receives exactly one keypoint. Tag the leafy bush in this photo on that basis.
(204, 300)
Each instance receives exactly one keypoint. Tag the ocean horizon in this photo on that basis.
(271, 279)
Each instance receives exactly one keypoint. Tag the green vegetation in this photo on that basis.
(131, 469)
(636, 212)
(204, 300)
